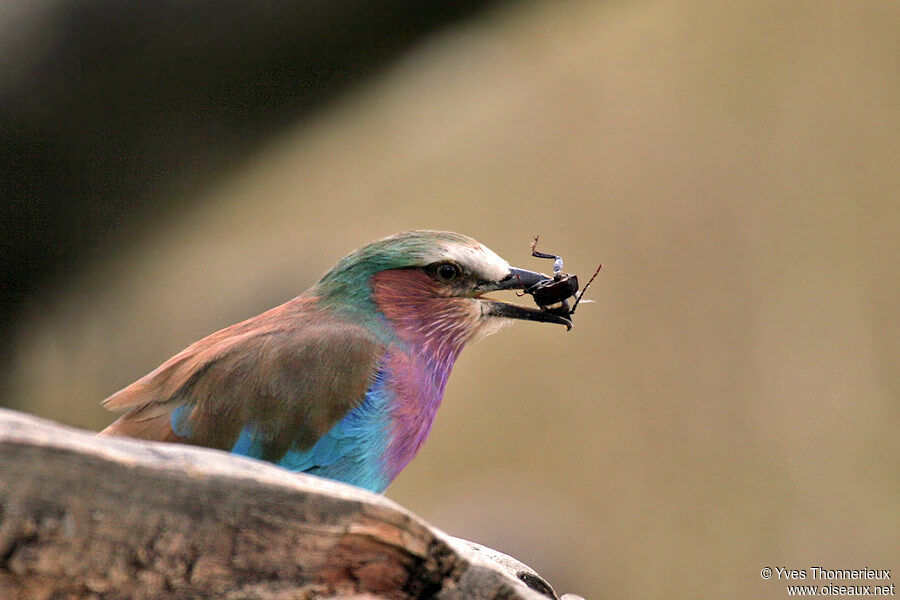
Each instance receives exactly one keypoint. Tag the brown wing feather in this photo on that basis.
(293, 371)
(158, 428)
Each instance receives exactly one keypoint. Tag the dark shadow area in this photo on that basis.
(108, 105)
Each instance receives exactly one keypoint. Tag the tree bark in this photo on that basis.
(91, 517)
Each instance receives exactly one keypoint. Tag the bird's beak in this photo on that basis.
(519, 279)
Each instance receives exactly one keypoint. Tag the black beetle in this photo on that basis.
(553, 294)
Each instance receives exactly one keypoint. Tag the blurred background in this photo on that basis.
(731, 399)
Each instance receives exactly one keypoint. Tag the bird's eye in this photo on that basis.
(446, 272)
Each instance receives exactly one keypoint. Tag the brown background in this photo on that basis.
(731, 400)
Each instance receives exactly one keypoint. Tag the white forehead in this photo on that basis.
(477, 258)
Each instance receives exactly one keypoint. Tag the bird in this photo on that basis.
(344, 380)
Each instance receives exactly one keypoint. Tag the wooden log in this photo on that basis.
(96, 517)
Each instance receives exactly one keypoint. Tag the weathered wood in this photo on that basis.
(92, 517)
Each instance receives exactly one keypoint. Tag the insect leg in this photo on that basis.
(523, 292)
(557, 260)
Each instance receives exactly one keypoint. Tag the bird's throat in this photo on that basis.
(431, 329)
(422, 316)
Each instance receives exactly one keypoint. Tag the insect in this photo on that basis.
(553, 294)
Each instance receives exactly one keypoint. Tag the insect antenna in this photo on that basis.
(584, 289)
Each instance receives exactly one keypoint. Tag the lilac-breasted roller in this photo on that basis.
(344, 380)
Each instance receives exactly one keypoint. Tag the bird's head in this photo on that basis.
(430, 286)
